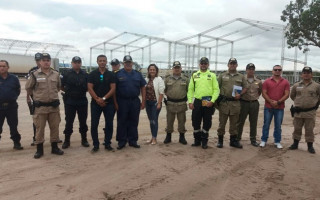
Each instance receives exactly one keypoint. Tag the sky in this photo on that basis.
(84, 23)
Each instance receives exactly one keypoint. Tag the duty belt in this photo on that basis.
(54, 104)
(177, 100)
(248, 100)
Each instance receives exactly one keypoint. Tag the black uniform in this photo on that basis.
(9, 92)
(75, 100)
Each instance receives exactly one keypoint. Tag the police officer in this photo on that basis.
(204, 88)
(9, 92)
(130, 84)
(229, 106)
(305, 94)
(115, 63)
(101, 86)
(37, 58)
(74, 83)
(250, 104)
(176, 88)
(44, 84)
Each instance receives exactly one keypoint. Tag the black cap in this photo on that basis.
(233, 60)
(251, 66)
(176, 64)
(204, 60)
(37, 56)
(115, 62)
(307, 69)
(76, 59)
(127, 58)
(45, 55)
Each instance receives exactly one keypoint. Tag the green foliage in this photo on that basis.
(303, 28)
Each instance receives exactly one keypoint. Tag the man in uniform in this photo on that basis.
(229, 105)
(305, 94)
(275, 91)
(101, 86)
(115, 65)
(204, 88)
(250, 104)
(176, 88)
(9, 92)
(75, 83)
(37, 58)
(44, 84)
(130, 84)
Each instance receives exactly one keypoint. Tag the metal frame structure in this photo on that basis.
(22, 47)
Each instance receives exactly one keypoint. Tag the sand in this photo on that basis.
(162, 171)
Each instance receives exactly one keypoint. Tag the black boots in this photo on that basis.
(197, 139)
(182, 139)
(39, 152)
(66, 142)
(168, 138)
(17, 145)
(220, 141)
(310, 147)
(84, 141)
(294, 145)
(234, 142)
(204, 140)
(55, 149)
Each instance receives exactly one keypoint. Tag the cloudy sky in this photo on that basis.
(84, 23)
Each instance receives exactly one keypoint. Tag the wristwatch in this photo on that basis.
(103, 98)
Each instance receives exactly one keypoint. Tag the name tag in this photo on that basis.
(41, 79)
(299, 87)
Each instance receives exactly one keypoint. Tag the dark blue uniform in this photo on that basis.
(128, 91)
(9, 92)
(75, 101)
(101, 86)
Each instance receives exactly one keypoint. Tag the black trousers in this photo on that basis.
(70, 114)
(201, 114)
(11, 114)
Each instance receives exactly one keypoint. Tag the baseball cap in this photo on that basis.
(251, 66)
(45, 55)
(127, 58)
(115, 62)
(233, 60)
(37, 56)
(76, 59)
(204, 60)
(176, 64)
(307, 69)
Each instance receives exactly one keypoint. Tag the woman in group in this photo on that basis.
(154, 96)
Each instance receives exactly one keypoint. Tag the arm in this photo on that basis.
(293, 93)
(190, 92)
(284, 97)
(94, 95)
(161, 93)
(143, 95)
(267, 98)
(216, 91)
(29, 87)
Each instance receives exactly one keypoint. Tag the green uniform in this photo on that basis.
(229, 108)
(304, 97)
(176, 91)
(250, 106)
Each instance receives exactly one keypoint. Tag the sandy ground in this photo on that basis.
(172, 171)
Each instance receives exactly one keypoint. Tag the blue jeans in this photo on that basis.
(153, 115)
(108, 112)
(278, 117)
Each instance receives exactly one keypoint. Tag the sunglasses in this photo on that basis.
(203, 63)
(279, 70)
(101, 78)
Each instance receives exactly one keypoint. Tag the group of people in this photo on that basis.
(118, 91)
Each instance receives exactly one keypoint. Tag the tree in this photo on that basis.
(303, 28)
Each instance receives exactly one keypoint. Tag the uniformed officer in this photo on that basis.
(101, 86)
(130, 84)
(37, 58)
(74, 83)
(176, 88)
(250, 104)
(9, 92)
(115, 63)
(204, 88)
(44, 84)
(305, 94)
(230, 83)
